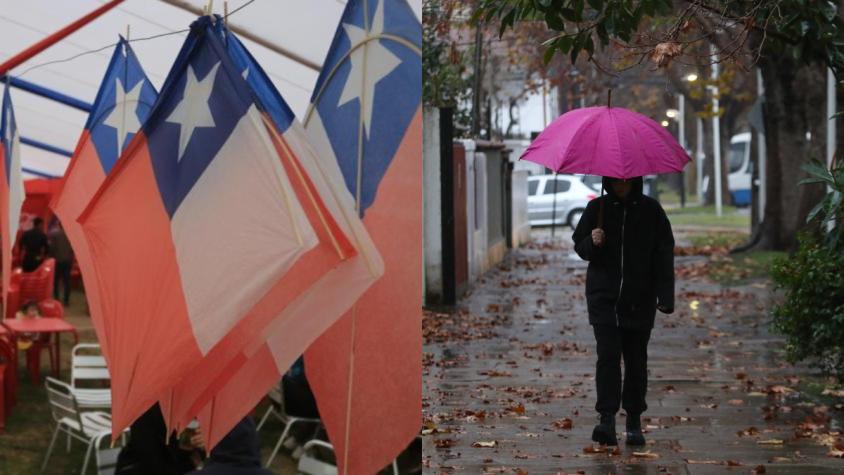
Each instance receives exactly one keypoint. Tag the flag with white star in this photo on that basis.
(368, 92)
(201, 235)
(320, 305)
(12, 193)
(366, 115)
(122, 105)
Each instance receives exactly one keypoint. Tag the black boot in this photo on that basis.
(604, 432)
(634, 435)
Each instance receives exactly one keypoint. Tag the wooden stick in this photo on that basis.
(609, 97)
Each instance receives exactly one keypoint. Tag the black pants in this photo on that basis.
(615, 343)
(62, 276)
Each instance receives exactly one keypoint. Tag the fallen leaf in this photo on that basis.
(770, 442)
(484, 444)
(646, 455)
(444, 443)
(564, 424)
(758, 469)
(735, 402)
(702, 462)
(600, 449)
(734, 463)
(833, 392)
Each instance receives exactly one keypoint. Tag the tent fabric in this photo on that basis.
(12, 192)
(123, 103)
(366, 115)
(316, 307)
(197, 221)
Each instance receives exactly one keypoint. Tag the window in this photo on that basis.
(736, 156)
(563, 185)
(593, 182)
(533, 185)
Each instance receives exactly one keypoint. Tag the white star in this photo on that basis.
(379, 63)
(245, 73)
(193, 111)
(123, 117)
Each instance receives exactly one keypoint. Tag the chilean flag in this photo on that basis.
(123, 104)
(11, 187)
(366, 115)
(221, 403)
(200, 235)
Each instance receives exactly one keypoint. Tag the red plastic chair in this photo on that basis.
(14, 293)
(38, 285)
(8, 379)
(49, 308)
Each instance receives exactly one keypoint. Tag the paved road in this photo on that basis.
(509, 382)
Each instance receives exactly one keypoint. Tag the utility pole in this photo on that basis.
(716, 132)
(476, 89)
(699, 155)
(831, 107)
(681, 106)
(762, 157)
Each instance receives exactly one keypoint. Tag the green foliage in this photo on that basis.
(811, 31)
(577, 20)
(829, 213)
(811, 315)
(446, 83)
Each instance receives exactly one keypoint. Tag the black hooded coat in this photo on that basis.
(633, 271)
(238, 453)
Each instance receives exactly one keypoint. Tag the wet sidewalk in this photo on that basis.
(509, 381)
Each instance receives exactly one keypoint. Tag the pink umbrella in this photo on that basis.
(607, 141)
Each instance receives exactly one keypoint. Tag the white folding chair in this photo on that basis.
(83, 426)
(309, 464)
(88, 368)
(106, 454)
(276, 396)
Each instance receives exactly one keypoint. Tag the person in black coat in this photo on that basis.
(34, 246)
(627, 239)
(150, 450)
(238, 453)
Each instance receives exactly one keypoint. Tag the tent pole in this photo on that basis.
(59, 35)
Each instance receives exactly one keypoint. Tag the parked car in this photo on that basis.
(563, 207)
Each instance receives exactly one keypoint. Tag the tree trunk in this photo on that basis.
(791, 110)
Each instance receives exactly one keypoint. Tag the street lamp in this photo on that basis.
(672, 113)
(692, 77)
(664, 123)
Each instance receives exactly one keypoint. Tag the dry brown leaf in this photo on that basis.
(600, 449)
(444, 443)
(663, 52)
(564, 424)
(484, 444)
(646, 455)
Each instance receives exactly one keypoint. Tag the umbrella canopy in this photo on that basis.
(607, 141)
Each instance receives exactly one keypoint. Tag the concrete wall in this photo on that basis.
(432, 235)
(521, 223)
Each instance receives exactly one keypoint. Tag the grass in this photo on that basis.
(705, 216)
(30, 424)
(734, 269)
(715, 240)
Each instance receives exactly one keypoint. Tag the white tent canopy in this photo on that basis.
(303, 27)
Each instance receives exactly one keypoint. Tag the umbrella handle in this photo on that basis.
(601, 209)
